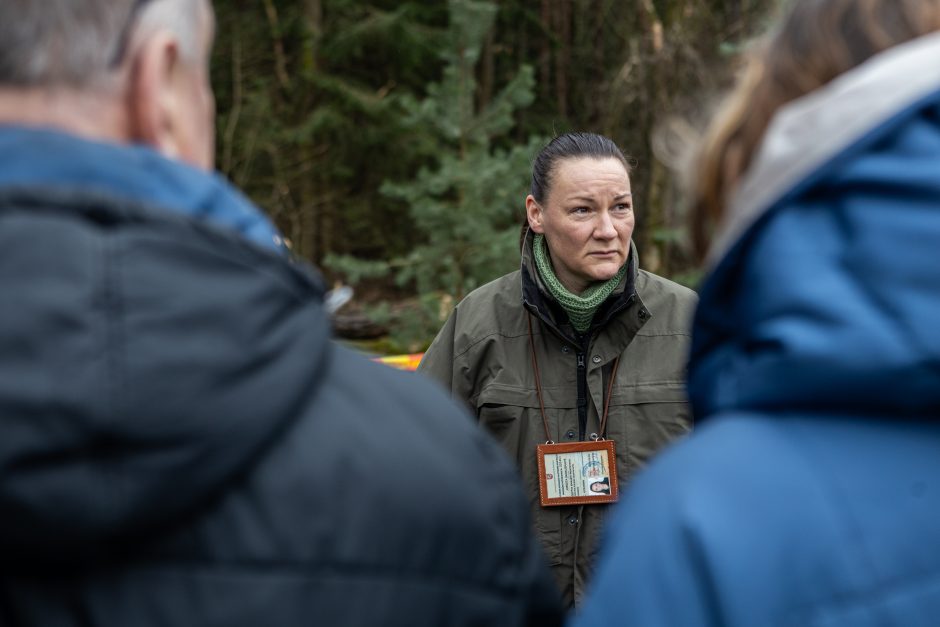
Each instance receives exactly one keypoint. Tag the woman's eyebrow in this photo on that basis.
(586, 199)
(589, 199)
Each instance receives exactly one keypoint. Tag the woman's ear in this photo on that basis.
(533, 212)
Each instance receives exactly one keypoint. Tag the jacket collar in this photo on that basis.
(48, 160)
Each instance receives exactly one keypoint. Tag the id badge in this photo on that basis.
(580, 473)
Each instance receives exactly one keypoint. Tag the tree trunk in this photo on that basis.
(308, 207)
(563, 55)
(280, 59)
(228, 135)
(545, 49)
(313, 19)
(658, 100)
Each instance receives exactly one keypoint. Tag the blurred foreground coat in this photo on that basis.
(181, 444)
(811, 493)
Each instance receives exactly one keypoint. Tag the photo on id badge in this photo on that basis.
(578, 473)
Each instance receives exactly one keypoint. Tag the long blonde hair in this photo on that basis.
(817, 41)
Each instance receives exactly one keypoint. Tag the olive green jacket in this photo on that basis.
(483, 356)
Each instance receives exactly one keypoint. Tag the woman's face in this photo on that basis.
(587, 220)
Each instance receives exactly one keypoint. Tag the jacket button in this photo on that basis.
(572, 520)
(596, 359)
(570, 434)
(644, 314)
(565, 349)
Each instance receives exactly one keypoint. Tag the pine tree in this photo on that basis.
(468, 204)
(309, 121)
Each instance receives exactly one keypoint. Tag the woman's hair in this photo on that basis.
(815, 43)
(570, 146)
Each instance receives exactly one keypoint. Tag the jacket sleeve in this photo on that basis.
(438, 363)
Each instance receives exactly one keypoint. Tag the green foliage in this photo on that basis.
(465, 205)
(392, 138)
(690, 278)
(668, 235)
(468, 210)
(356, 269)
(413, 324)
(310, 122)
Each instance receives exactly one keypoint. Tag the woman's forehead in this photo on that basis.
(587, 174)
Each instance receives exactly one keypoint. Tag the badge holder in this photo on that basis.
(578, 473)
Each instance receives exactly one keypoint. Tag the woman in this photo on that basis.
(540, 354)
(811, 493)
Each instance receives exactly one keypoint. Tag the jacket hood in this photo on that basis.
(823, 292)
(149, 359)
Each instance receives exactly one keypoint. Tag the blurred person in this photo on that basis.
(810, 494)
(578, 345)
(173, 417)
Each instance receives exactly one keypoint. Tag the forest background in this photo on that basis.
(391, 141)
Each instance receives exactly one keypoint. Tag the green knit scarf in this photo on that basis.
(580, 309)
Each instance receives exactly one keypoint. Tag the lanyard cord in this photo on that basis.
(538, 389)
(538, 380)
(610, 391)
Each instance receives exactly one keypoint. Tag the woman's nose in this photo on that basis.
(604, 229)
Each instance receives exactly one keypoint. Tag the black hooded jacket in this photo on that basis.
(181, 444)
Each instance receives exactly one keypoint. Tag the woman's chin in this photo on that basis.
(605, 272)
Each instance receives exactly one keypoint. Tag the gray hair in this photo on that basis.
(73, 43)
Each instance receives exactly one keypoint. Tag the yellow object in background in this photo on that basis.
(402, 362)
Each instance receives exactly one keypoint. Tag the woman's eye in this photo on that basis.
(622, 207)
(580, 210)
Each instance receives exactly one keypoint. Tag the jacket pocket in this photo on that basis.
(505, 413)
(512, 415)
(643, 419)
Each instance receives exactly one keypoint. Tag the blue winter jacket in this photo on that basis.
(810, 494)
